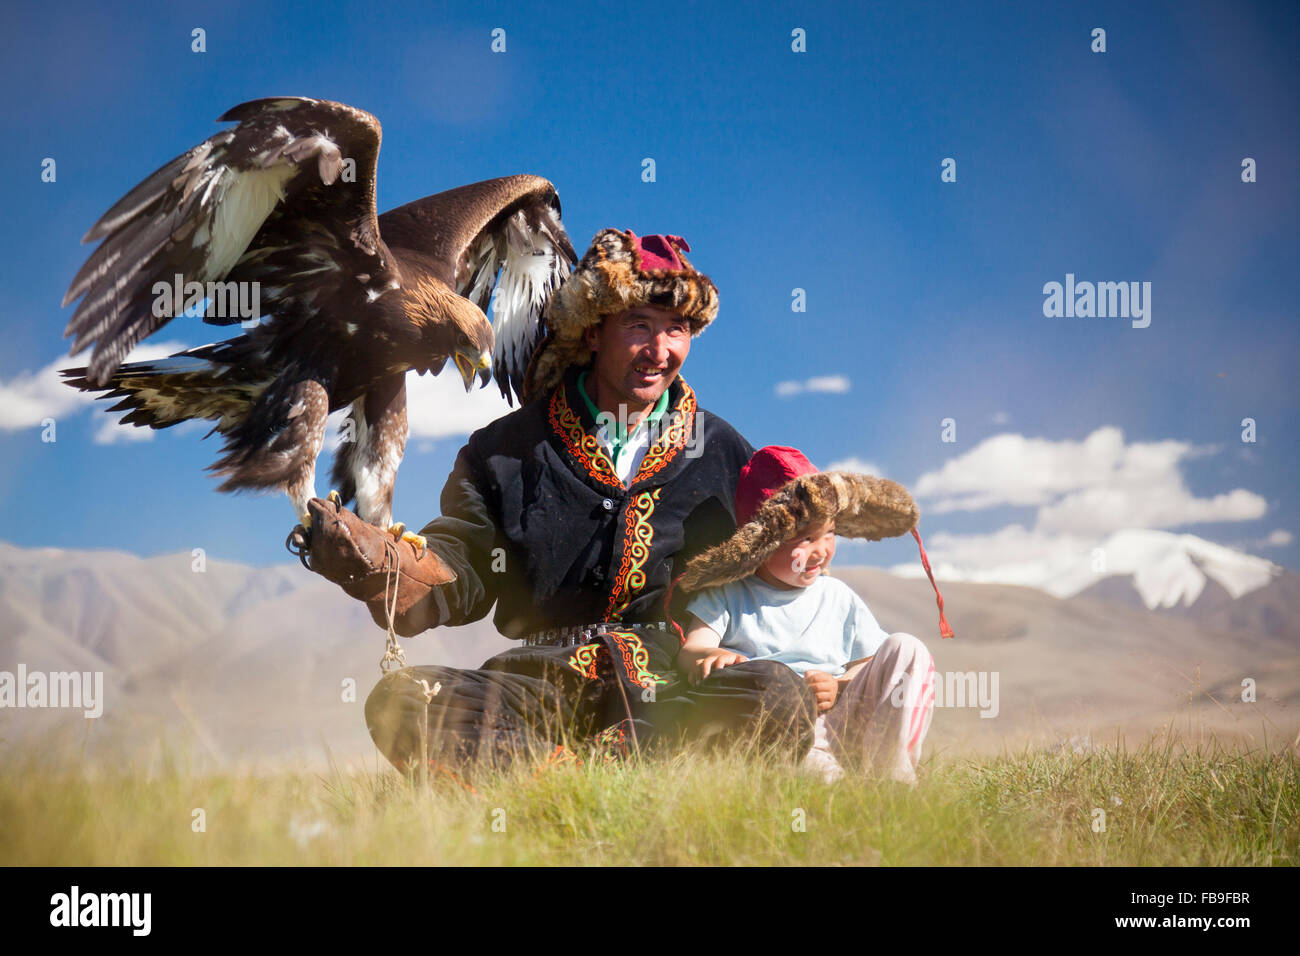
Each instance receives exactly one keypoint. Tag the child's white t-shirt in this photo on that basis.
(821, 627)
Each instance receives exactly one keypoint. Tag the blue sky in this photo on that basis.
(784, 170)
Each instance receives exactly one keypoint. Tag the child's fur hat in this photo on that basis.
(781, 493)
(620, 271)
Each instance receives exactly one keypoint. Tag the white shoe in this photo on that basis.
(904, 775)
(822, 763)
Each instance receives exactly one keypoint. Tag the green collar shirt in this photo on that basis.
(625, 450)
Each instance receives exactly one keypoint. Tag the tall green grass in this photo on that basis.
(1165, 805)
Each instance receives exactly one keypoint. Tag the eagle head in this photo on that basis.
(452, 326)
(473, 350)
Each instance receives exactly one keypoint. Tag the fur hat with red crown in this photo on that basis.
(780, 493)
(620, 271)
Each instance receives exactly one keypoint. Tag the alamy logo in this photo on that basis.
(1102, 300)
(608, 424)
(75, 689)
(952, 689)
(226, 300)
(102, 909)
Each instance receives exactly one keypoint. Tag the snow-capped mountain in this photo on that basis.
(1166, 570)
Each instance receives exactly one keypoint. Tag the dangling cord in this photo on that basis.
(393, 654)
(944, 629)
(627, 707)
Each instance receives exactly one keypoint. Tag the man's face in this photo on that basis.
(799, 561)
(638, 355)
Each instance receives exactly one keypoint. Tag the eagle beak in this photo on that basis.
(470, 368)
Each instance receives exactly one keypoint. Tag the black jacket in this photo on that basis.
(534, 518)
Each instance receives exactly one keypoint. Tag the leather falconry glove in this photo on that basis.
(366, 561)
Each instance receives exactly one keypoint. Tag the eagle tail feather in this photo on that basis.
(185, 386)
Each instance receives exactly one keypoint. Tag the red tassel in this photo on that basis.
(944, 629)
(668, 614)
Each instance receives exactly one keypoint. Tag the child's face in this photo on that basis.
(799, 561)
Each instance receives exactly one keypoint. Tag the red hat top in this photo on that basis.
(770, 470)
(659, 252)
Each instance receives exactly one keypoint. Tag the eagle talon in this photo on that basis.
(421, 543)
(398, 528)
(335, 497)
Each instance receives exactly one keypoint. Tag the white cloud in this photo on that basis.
(1165, 503)
(1165, 568)
(437, 406)
(1278, 538)
(856, 465)
(1094, 486)
(1000, 418)
(110, 432)
(29, 397)
(837, 384)
(1011, 555)
(1097, 493)
(1012, 469)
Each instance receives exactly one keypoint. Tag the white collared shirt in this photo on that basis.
(633, 451)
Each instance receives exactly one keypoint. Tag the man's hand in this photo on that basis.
(369, 563)
(699, 664)
(825, 689)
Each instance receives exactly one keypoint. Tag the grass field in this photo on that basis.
(1164, 804)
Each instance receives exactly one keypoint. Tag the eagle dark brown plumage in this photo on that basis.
(279, 211)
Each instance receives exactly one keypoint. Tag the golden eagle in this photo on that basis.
(280, 211)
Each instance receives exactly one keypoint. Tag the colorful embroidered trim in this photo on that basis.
(611, 744)
(559, 756)
(591, 455)
(584, 447)
(584, 660)
(636, 659)
(612, 735)
(637, 539)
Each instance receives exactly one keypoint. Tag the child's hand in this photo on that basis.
(713, 660)
(824, 687)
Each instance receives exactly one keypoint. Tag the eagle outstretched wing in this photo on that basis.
(501, 235)
(286, 198)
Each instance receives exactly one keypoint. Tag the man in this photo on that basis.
(573, 514)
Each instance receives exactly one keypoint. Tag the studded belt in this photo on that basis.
(584, 633)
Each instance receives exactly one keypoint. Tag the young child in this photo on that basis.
(764, 595)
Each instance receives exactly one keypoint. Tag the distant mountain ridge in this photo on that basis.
(238, 663)
(225, 661)
(1164, 570)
